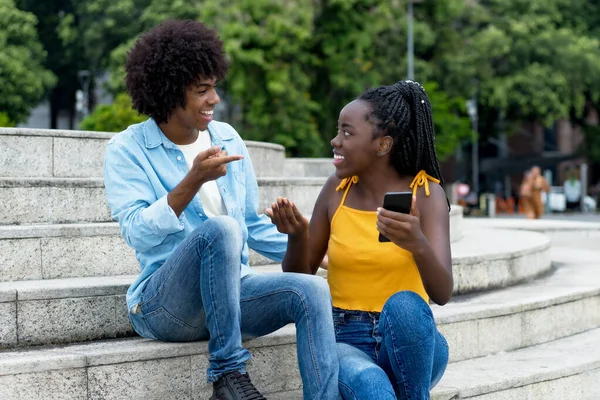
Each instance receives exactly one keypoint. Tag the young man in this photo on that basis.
(184, 192)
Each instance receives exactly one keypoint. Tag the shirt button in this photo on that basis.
(178, 158)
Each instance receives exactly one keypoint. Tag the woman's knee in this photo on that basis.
(406, 313)
(360, 377)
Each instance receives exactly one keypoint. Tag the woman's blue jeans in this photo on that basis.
(197, 294)
(397, 353)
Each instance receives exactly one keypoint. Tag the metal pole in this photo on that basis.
(475, 149)
(583, 178)
(411, 44)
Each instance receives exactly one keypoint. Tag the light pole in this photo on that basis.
(411, 43)
(473, 115)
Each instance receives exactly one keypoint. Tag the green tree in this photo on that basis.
(269, 43)
(450, 124)
(114, 117)
(23, 78)
(536, 60)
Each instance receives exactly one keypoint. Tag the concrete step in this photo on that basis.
(481, 260)
(309, 167)
(492, 259)
(69, 200)
(54, 153)
(134, 368)
(567, 368)
(560, 231)
(79, 309)
(50, 251)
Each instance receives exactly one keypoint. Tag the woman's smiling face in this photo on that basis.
(354, 146)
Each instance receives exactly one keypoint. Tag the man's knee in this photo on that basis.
(314, 288)
(223, 229)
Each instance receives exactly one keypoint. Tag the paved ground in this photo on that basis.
(590, 243)
(595, 217)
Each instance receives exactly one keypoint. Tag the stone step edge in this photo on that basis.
(78, 134)
(546, 358)
(128, 350)
(53, 289)
(87, 228)
(27, 182)
(90, 229)
(117, 351)
(542, 225)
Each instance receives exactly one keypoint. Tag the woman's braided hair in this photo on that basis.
(403, 112)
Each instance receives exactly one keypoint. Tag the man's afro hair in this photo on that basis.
(166, 60)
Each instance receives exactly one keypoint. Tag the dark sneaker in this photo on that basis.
(235, 386)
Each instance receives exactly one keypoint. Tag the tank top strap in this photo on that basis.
(422, 179)
(345, 184)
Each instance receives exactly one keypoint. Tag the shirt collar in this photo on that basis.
(154, 137)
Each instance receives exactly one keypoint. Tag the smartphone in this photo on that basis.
(397, 202)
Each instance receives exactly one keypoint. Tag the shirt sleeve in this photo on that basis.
(144, 220)
(263, 236)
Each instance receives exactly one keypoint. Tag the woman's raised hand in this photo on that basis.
(287, 218)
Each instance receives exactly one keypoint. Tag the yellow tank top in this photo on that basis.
(363, 272)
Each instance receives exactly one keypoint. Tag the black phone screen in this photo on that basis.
(397, 202)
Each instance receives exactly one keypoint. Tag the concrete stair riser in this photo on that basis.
(583, 386)
(88, 249)
(80, 154)
(309, 167)
(69, 200)
(33, 313)
(58, 257)
(568, 368)
(159, 371)
(140, 369)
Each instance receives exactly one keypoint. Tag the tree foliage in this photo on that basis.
(113, 117)
(536, 60)
(23, 78)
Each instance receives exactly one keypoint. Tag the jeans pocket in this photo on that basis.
(140, 326)
(168, 328)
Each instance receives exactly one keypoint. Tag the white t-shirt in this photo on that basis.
(572, 190)
(211, 199)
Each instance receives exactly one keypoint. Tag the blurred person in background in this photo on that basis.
(539, 184)
(572, 189)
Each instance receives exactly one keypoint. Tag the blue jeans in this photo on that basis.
(197, 294)
(396, 354)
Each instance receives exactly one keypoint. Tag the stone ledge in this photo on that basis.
(117, 351)
(50, 289)
(499, 244)
(59, 311)
(61, 133)
(566, 366)
(71, 200)
(34, 182)
(265, 145)
(566, 284)
(541, 225)
(505, 372)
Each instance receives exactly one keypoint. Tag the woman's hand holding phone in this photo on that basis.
(402, 229)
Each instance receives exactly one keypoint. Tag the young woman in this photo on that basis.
(388, 343)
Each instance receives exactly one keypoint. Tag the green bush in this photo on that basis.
(5, 122)
(113, 117)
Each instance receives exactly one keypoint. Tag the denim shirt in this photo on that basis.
(141, 166)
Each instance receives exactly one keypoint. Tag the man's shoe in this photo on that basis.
(235, 386)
